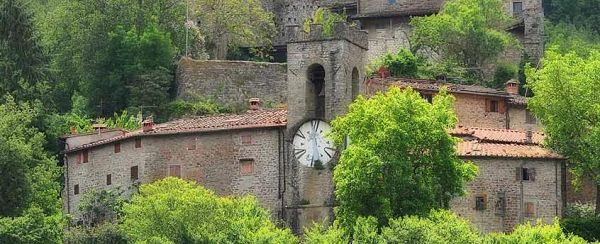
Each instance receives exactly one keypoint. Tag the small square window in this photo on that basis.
(530, 118)
(480, 203)
(246, 139)
(134, 173)
(517, 8)
(526, 174)
(191, 144)
(247, 166)
(175, 171)
(138, 142)
(493, 106)
(529, 210)
(85, 157)
(117, 147)
(391, 2)
(76, 189)
(108, 179)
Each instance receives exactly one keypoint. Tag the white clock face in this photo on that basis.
(311, 144)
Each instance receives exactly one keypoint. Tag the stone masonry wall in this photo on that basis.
(405, 7)
(214, 163)
(232, 82)
(497, 177)
(471, 112)
(518, 119)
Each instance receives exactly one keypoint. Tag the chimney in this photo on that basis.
(529, 136)
(512, 87)
(99, 128)
(148, 124)
(254, 104)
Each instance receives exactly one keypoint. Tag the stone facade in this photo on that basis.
(232, 82)
(508, 199)
(214, 160)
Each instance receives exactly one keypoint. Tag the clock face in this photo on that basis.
(311, 144)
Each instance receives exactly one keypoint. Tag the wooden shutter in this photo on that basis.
(531, 172)
(175, 171)
(191, 144)
(117, 147)
(502, 106)
(487, 105)
(134, 173)
(529, 209)
(519, 172)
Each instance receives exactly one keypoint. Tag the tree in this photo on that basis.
(468, 32)
(583, 13)
(177, 211)
(226, 24)
(566, 102)
(539, 233)
(400, 159)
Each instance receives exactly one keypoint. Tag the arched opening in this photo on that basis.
(315, 91)
(355, 83)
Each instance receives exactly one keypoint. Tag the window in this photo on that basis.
(480, 203)
(108, 180)
(493, 106)
(525, 174)
(529, 210)
(191, 144)
(427, 97)
(529, 118)
(138, 142)
(117, 147)
(76, 189)
(175, 171)
(390, 2)
(246, 139)
(247, 166)
(134, 173)
(517, 8)
(85, 156)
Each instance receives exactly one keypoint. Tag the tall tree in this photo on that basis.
(581, 13)
(468, 32)
(231, 23)
(400, 159)
(566, 102)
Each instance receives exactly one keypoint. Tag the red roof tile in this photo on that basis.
(498, 135)
(433, 85)
(479, 149)
(248, 120)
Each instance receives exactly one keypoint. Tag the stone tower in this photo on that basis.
(324, 75)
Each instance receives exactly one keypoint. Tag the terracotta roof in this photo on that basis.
(479, 149)
(399, 13)
(498, 135)
(248, 120)
(433, 85)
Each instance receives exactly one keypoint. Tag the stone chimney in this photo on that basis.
(529, 136)
(512, 87)
(254, 104)
(148, 124)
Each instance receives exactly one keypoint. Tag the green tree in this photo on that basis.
(325, 18)
(566, 38)
(183, 212)
(469, 32)
(535, 234)
(582, 13)
(566, 102)
(226, 24)
(400, 159)
(400, 64)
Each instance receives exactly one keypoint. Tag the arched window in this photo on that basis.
(355, 83)
(315, 91)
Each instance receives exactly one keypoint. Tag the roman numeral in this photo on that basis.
(315, 125)
(300, 134)
(330, 149)
(299, 153)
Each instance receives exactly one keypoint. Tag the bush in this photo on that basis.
(504, 72)
(326, 18)
(400, 64)
(196, 106)
(534, 234)
(177, 211)
(104, 233)
(587, 228)
(97, 207)
(32, 227)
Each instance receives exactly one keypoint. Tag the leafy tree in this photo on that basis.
(226, 24)
(400, 159)
(97, 207)
(566, 102)
(401, 64)
(504, 72)
(540, 233)
(103, 233)
(566, 38)
(33, 227)
(583, 13)
(469, 32)
(325, 18)
(181, 212)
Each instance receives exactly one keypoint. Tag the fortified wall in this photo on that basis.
(232, 82)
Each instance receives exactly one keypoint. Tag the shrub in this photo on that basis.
(326, 18)
(104, 233)
(400, 64)
(98, 207)
(196, 106)
(178, 211)
(504, 72)
(534, 234)
(32, 227)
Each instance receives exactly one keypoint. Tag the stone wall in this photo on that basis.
(471, 111)
(232, 82)
(398, 7)
(497, 178)
(214, 162)
(518, 119)
(386, 35)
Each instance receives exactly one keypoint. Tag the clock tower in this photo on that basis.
(324, 77)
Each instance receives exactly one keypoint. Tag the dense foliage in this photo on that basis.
(581, 13)
(470, 33)
(400, 64)
(326, 19)
(566, 103)
(400, 159)
(182, 212)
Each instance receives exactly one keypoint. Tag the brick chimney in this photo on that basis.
(99, 128)
(148, 124)
(254, 104)
(512, 87)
